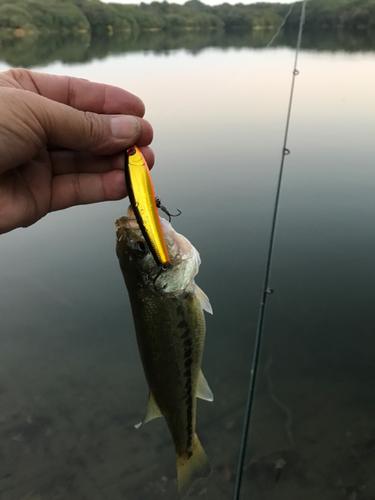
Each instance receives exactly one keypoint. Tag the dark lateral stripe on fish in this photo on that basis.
(185, 334)
(188, 351)
(189, 426)
(180, 310)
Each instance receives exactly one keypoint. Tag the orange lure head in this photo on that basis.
(142, 197)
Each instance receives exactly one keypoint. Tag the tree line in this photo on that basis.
(20, 17)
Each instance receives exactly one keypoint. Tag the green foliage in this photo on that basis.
(14, 16)
(260, 15)
(337, 14)
(102, 17)
(43, 16)
(66, 16)
(267, 19)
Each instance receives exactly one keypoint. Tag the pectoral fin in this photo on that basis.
(203, 389)
(203, 299)
(153, 411)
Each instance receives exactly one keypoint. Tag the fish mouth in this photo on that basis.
(128, 221)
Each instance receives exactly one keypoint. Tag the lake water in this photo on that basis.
(71, 382)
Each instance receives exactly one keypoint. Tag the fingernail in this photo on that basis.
(124, 127)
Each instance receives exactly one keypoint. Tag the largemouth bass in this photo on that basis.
(170, 326)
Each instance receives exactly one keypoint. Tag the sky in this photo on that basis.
(207, 2)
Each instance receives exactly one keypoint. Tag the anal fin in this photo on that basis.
(203, 389)
(153, 411)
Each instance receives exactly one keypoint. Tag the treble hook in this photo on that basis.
(152, 279)
(162, 207)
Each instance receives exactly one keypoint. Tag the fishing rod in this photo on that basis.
(266, 288)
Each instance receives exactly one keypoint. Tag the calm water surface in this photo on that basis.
(71, 383)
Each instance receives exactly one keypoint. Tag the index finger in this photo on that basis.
(79, 93)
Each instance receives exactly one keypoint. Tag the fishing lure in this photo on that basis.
(142, 198)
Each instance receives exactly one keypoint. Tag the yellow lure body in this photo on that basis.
(142, 198)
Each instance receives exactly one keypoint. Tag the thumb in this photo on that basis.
(82, 130)
(29, 122)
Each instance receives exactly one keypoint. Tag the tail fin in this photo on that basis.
(191, 469)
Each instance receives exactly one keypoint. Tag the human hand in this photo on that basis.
(60, 143)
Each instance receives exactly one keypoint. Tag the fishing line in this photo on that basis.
(266, 289)
(280, 27)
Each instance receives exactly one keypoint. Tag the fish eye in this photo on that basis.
(140, 247)
(131, 151)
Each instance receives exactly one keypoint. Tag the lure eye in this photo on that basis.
(131, 151)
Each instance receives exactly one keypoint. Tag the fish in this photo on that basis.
(168, 312)
(142, 197)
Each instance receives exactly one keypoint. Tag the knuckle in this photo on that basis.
(96, 129)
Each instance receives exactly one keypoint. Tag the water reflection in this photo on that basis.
(35, 51)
